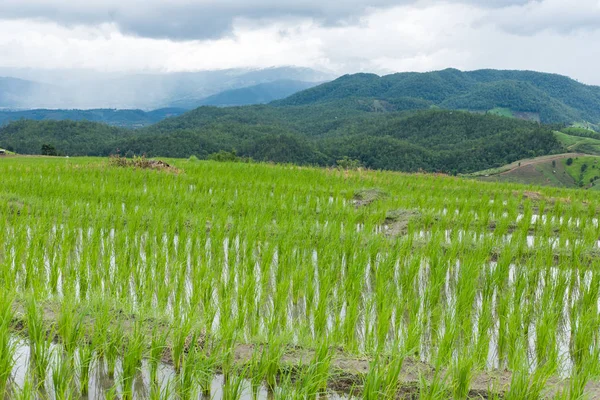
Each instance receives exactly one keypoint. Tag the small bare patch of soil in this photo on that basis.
(397, 221)
(365, 197)
(536, 196)
(142, 163)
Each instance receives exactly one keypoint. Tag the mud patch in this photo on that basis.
(141, 163)
(364, 197)
(397, 221)
(536, 196)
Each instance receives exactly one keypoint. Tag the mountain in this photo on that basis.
(258, 94)
(85, 90)
(122, 118)
(552, 98)
(434, 140)
(441, 121)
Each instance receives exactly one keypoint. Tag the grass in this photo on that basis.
(584, 170)
(273, 277)
(579, 144)
(541, 171)
(503, 112)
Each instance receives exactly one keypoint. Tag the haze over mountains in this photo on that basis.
(26, 89)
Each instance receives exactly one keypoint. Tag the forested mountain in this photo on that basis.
(258, 94)
(407, 122)
(123, 118)
(436, 140)
(554, 98)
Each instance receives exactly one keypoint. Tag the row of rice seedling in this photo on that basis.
(277, 279)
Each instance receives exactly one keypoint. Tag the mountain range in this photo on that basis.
(444, 121)
(548, 98)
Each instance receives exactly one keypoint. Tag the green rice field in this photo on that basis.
(257, 281)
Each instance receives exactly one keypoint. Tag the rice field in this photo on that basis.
(255, 281)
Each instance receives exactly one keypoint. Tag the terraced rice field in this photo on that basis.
(223, 280)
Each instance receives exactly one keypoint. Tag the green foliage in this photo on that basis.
(298, 279)
(348, 163)
(48, 150)
(122, 118)
(513, 95)
(435, 140)
(555, 98)
(581, 132)
(585, 170)
(69, 137)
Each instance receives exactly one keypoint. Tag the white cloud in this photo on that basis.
(563, 16)
(423, 36)
(184, 19)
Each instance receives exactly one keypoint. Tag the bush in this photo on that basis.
(569, 161)
(348, 163)
(48, 150)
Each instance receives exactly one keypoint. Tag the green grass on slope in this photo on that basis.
(579, 144)
(584, 170)
(503, 112)
(545, 173)
(586, 125)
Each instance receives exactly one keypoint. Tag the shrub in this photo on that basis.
(348, 163)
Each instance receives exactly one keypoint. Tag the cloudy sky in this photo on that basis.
(340, 36)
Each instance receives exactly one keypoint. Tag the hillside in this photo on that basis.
(258, 94)
(445, 141)
(583, 144)
(554, 98)
(122, 118)
(570, 170)
(539, 171)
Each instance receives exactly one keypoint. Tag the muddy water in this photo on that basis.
(101, 386)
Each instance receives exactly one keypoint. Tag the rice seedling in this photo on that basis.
(62, 377)
(85, 357)
(26, 392)
(40, 342)
(158, 346)
(233, 386)
(277, 271)
(131, 361)
(7, 344)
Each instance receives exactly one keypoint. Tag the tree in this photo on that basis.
(348, 163)
(48, 150)
(569, 161)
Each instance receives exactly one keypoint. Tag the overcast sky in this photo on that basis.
(340, 36)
